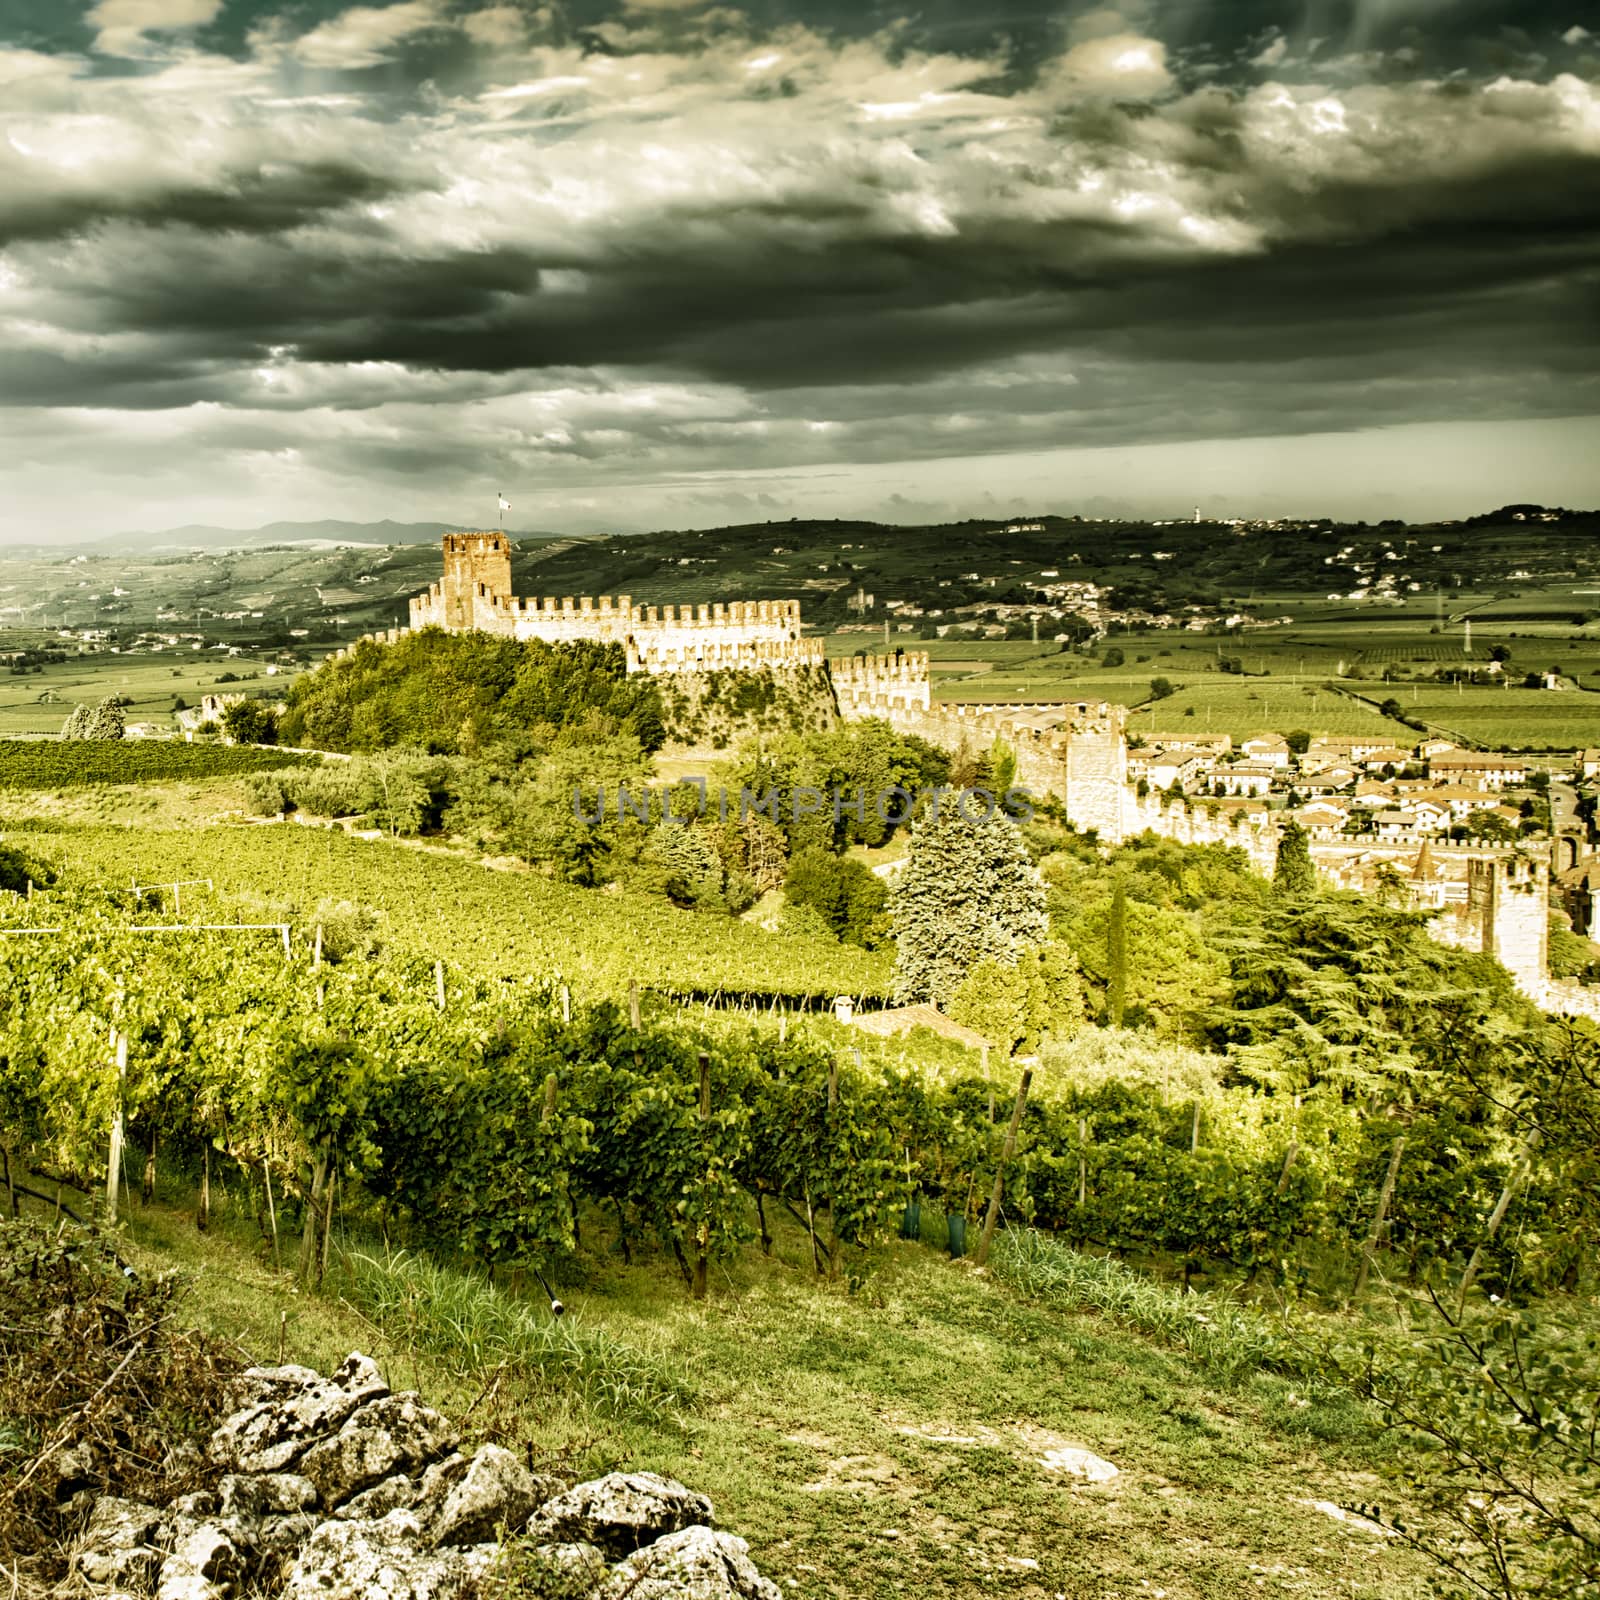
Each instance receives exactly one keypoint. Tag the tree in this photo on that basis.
(250, 722)
(1294, 874)
(1162, 688)
(77, 724)
(1012, 1006)
(1113, 657)
(1299, 741)
(969, 891)
(1117, 955)
(849, 897)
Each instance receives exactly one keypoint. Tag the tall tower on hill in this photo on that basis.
(471, 559)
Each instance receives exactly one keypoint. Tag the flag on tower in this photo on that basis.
(505, 505)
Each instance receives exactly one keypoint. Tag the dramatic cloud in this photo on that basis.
(123, 24)
(393, 250)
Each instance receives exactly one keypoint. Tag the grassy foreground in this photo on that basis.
(892, 1441)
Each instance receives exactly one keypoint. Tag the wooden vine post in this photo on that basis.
(1498, 1215)
(114, 1164)
(438, 984)
(1083, 1161)
(1000, 1171)
(702, 1238)
(1375, 1234)
(633, 1003)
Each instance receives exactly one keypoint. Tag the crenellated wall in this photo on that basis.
(475, 592)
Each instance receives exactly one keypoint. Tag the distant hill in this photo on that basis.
(325, 533)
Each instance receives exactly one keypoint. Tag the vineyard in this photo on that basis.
(484, 1119)
(53, 764)
(496, 924)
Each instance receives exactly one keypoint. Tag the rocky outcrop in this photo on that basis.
(335, 1489)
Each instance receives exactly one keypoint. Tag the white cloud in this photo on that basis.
(502, 27)
(1576, 35)
(123, 24)
(366, 35)
(1273, 54)
(1124, 65)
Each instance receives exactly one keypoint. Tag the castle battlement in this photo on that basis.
(475, 593)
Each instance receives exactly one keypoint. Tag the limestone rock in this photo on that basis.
(117, 1547)
(395, 1434)
(383, 1560)
(201, 1567)
(296, 1409)
(437, 1482)
(265, 1494)
(197, 1506)
(278, 1538)
(395, 1493)
(693, 1564)
(496, 1491)
(619, 1512)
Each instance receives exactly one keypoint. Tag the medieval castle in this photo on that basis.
(1494, 900)
(476, 593)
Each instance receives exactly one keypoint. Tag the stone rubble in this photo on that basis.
(336, 1489)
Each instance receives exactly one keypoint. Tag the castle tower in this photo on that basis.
(471, 559)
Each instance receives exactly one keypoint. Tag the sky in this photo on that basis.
(640, 264)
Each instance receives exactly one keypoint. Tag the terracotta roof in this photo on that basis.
(902, 1019)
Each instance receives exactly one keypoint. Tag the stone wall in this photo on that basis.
(475, 592)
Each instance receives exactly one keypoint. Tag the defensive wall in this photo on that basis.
(475, 592)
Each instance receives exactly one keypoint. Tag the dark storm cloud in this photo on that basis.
(658, 235)
(260, 200)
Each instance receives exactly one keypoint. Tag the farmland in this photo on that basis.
(494, 923)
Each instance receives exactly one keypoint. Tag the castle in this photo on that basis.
(475, 592)
(1488, 899)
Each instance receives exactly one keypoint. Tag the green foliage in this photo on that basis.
(1159, 957)
(968, 892)
(1294, 874)
(103, 725)
(18, 870)
(849, 898)
(47, 764)
(461, 693)
(250, 722)
(1013, 1006)
(1500, 1406)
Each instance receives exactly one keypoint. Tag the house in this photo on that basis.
(1392, 825)
(1323, 752)
(1187, 771)
(1587, 765)
(1381, 756)
(1429, 748)
(1250, 778)
(1267, 749)
(1431, 816)
(1328, 780)
(1323, 819)
(1462, 801)
(1372, 795)
(1215, 745)
(1490, 769)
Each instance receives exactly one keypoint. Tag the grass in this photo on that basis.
(495, 923)
(150, 682)
(889, 1442)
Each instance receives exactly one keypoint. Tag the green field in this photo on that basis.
(497, 924)
(150, 682)
(27, 764)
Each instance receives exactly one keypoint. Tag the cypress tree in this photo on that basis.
(1294, 874)
(1117, 955)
